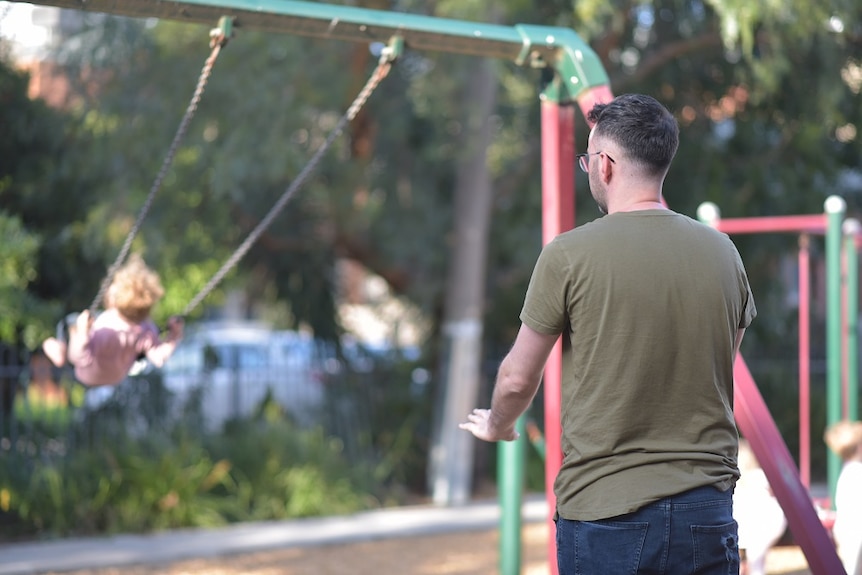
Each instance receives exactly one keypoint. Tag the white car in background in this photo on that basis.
(234, 366)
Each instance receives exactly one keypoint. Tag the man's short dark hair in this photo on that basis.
(639, 124)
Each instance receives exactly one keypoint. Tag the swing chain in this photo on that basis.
(384, 65)
(218, 39)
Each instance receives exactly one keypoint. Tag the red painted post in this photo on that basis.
(805, 360)
(766, 224)
(759, 429)
(593, 96)
(558, 215)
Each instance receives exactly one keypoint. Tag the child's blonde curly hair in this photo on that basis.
(134, 290)
(844, 438)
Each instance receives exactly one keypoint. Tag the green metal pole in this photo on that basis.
(510, 477)
(834, 208)
(852, 228)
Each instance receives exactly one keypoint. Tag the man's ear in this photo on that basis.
(606, 168)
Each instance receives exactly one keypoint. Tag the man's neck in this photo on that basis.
(639, 205)
(644, 205)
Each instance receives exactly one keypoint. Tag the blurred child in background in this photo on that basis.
(103, 349)
(844, 438)
(755, 508)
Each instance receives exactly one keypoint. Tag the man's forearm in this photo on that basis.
(512, 397)
(517, 382)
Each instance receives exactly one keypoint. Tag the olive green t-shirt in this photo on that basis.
(651, 301)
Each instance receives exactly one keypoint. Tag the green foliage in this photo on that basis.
(46, 416)
(32, 136)
(282, 471)
(125, 489)
(136, 463)
(16, 273)
(251, 472)
(174, 488)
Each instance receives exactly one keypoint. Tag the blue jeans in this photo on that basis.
(686, 534)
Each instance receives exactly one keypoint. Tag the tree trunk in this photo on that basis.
(451, 464)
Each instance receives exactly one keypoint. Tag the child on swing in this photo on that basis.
(104, 349)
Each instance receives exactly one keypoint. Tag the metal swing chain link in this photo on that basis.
(217, 41)
(383, 67)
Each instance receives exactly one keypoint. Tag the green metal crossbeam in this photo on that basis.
(577, 66)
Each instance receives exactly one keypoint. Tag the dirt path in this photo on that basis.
(472, 553)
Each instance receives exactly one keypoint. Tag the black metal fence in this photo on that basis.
(44, 412)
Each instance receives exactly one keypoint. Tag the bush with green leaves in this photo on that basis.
(115, 471)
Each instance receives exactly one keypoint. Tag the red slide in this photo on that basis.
(756, 424)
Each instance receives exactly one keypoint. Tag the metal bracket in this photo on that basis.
(222, 33)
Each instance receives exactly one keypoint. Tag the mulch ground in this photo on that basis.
(472, 553)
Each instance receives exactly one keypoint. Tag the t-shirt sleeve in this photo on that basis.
(749, 310)
(545, 308)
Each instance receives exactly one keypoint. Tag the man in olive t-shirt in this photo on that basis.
(655, 305)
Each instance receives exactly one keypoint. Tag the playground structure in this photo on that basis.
(752, 415)
(578, 79)
(842, 241)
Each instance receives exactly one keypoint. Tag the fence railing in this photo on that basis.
(44, 412)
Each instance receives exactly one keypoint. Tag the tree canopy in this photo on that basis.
(766, 96)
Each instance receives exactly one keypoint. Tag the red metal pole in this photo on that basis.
(804, 360)
(759, 429)
(815, 224)
(593, 96)
(558, 215)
